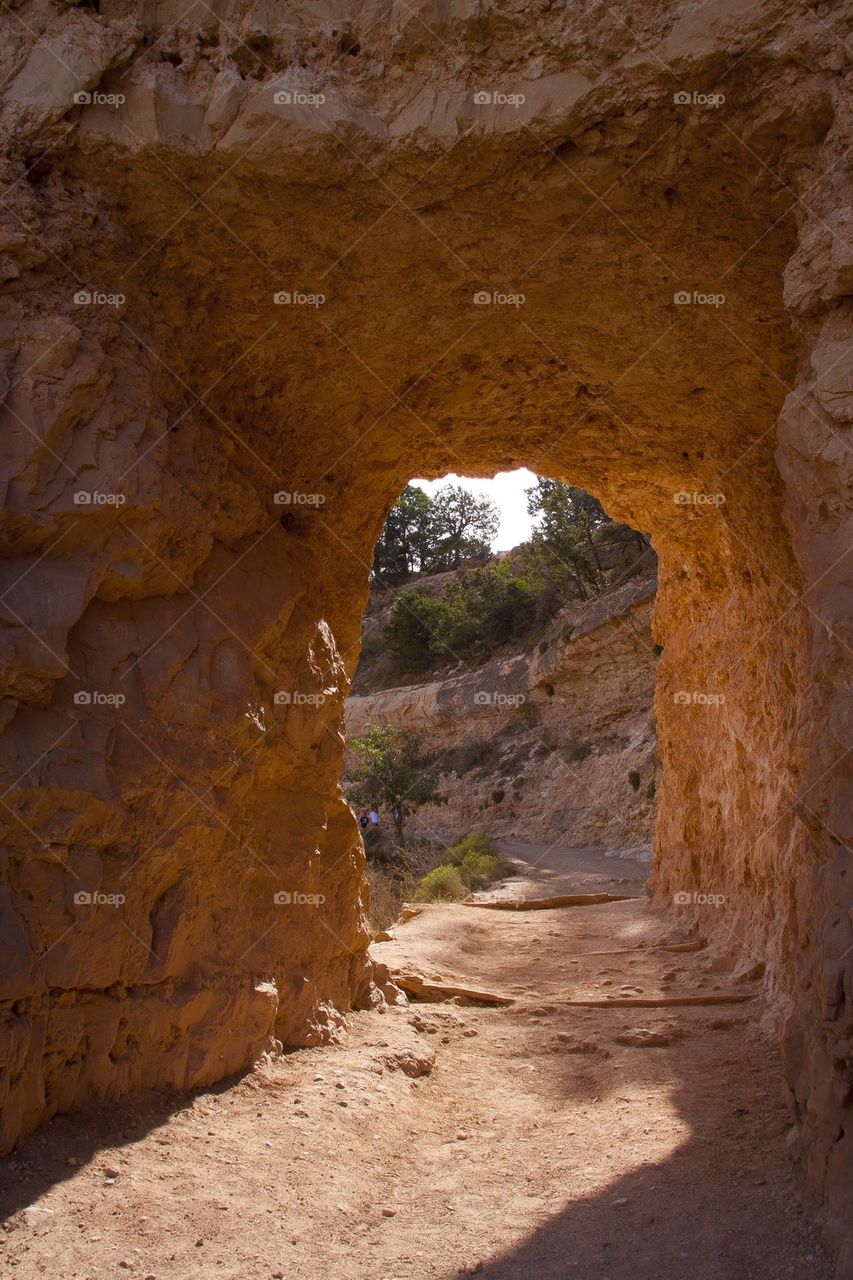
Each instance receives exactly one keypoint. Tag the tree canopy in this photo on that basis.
(429, 535)
(406, 538)
(391, 769)
(562, 546)
(575, 551)
(485, 609)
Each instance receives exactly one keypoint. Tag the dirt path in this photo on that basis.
(538, 1141)
(553, 869)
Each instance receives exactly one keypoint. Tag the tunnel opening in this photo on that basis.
(269, 816)
(504, 692)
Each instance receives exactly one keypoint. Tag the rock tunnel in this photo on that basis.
(262, 268)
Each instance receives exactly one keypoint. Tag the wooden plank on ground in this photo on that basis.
(416, 985)
(547, 904)
(657, 1002)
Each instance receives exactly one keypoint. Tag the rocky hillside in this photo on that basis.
(552, 744)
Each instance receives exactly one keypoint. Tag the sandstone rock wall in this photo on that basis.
(623, 171)
(553, 746)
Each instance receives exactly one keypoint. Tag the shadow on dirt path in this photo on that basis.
(539, 1141)
(553, 869)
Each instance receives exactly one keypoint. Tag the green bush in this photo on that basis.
(473, 616)
(411, 631)
(473, 843)
(486, 609)
(479, 870)
(471, 864)
(442, 884)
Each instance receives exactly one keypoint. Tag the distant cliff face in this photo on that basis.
(553, 745)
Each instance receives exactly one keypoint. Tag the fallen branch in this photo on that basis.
(657, 1002)
(618, 951)
(545, 904)
(418, 986)
(642, 949)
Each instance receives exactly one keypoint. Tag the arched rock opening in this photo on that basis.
(237, 454)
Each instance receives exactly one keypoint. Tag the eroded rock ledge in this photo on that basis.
(556, 745)
(148, 366)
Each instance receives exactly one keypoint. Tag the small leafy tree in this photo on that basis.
(406, 537)
(564, 554)
(411, 630)
(392, 769)
(428, 535)
(464, 526)
(486, 609)
(563, 544)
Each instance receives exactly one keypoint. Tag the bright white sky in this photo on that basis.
(506, 490)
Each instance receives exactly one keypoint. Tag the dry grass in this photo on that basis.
(394, 873)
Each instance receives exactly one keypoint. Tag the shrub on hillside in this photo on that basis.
(472, 617)
(467, 757)
(487, 608)
(479, 870)
(474, 842)
(412, 629)
(442, 884)
(471, 864)
(394, 876)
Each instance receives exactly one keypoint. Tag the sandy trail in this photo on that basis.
(539, 1141)
(552, 869)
